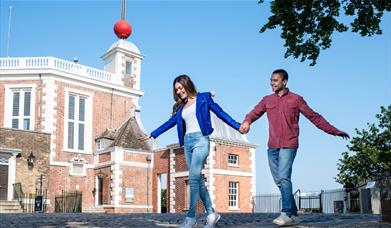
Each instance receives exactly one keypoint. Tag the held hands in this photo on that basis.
(145, 137)
(342, 134)
(244, 127)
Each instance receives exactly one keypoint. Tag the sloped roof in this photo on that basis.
(225, 132)
(127, 136)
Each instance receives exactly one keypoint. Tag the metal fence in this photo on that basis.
(68, 202)
(28, 201)
(329, 201)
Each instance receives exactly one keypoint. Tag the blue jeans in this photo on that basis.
(280, 163)
(196, 151)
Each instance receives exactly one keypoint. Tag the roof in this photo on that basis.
(225, 132)
(125, 45)
(127, 136)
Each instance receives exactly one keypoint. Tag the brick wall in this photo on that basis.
(27, 142)
(161, 165)
(222, 182)
(221, 157)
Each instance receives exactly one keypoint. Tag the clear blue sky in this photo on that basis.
(218, 44)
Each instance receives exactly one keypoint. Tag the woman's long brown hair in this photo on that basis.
(188, 85)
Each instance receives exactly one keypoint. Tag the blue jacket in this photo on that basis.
(204, 103)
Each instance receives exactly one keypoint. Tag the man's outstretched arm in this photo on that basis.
(319, 121)
(252, 116)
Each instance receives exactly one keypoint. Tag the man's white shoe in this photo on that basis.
(189, 223)
(285, 220)
(295, 220)
(212, 219)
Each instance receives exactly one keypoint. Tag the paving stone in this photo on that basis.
(242, 220)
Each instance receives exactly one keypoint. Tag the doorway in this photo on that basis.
(3, 182)
(100, 190)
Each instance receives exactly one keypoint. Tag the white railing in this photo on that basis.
(57, 64)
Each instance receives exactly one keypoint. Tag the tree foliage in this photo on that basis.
(307, 25)
(371, 157)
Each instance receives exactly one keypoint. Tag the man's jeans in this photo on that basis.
(280, 163)
(196, 151)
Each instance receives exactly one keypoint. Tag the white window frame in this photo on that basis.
(233, 207)
(100, 144)
(131, 67)
(87, 122)
(187, 195)
(8, 105)
(129, 198)
(236, 164)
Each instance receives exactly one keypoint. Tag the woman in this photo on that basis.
(192, 117)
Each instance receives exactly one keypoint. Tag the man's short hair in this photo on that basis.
(282, 72)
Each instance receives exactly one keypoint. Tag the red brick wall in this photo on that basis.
(161, 164)
(134, 157)
(180, 198)
(104, 157)
(221, 156)
(60, 180)
(106, 191)
(122, 110)
(221, 200)
(38, 94)
(136, 178)
(180, 160)
(27, 142)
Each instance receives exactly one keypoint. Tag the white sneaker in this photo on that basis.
(189, 223)
(295, 220)
(212, 219)
(285, 220)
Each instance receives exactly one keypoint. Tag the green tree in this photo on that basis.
(371, 153)
(307, 25)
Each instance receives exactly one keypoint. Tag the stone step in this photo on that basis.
(12, 206)
(93, 210)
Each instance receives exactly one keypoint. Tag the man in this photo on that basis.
(283, 108)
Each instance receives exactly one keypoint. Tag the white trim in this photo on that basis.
(11, 168)
(253, 179)
(96, 191)
(159, 195)
(233, 173)
(210, 177)
(70, 78)
(172, 181)
(127, 206)
(8, 102)
(125, 163)
(237, 195)
(49, 112)
(87, 122)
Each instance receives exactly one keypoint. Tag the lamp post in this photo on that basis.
(149, 159)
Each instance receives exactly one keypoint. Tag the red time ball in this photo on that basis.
(122, 29)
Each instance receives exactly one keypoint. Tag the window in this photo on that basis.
(100, 144)
(76, 122)
(233, 160)
(128, 68)
(21, 108)
(129, 195)
(233, 195)
(187, 195)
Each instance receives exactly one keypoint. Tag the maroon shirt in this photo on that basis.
(283, 115)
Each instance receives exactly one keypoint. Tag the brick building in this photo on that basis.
(229, 172)
(81, 125)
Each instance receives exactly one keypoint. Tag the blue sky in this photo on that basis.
(218, 44)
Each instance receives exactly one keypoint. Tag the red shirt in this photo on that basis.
(283, 115)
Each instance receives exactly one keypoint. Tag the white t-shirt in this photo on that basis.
(189, 115)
